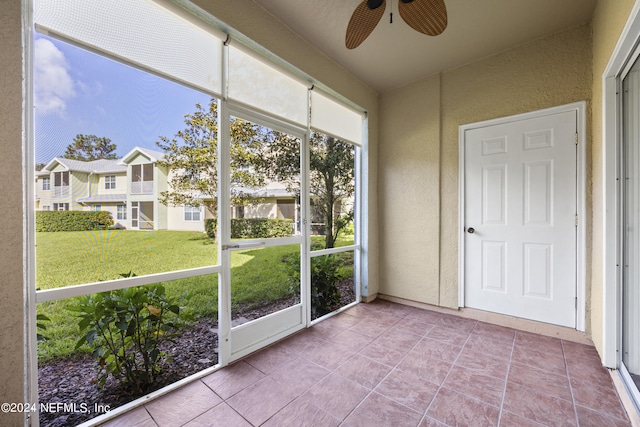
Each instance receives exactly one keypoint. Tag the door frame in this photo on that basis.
(622, 57)
(580, 109)
(244, 339)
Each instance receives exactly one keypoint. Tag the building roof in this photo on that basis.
(104, 198)
(152, 155)
(94, 166)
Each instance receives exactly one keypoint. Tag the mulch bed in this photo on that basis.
(72, 379)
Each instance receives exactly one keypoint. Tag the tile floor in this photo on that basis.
(385, 364)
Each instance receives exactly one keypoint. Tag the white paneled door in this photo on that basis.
(520, 218)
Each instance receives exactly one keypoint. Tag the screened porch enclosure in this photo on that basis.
(243, 163)
(142, 215)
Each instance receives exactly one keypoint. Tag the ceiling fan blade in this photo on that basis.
(362, 23)
(425, 16)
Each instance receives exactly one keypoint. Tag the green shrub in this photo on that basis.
(125, 328)
(211, 227)
(325, 274)
(73, 220)
(260, 228)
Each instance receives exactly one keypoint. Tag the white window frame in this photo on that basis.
(142, 185)
(121, 212)
(97, 208)
(109, 182)
(46, 183)
(62, 174)
(191, 212)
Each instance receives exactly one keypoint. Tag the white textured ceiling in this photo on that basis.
(394, 54)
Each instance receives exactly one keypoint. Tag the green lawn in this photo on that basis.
(70, 258)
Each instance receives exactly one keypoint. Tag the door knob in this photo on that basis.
(471, 230)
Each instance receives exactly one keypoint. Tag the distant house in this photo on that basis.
(65, 184)
(130, 187)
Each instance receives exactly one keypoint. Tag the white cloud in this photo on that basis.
(53, 84)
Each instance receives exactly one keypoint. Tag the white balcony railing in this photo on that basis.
(141, 187)
(62, 191)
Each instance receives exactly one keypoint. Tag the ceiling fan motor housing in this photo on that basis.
(374, 4)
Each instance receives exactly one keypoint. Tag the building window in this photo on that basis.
(46, 208)
(61, 206)
(61, 184)
(110, 182)
(237, 211)
(121, 213)
(46, 184)
(142, 179)
(61, 179)
(97, 207)
(192, 213)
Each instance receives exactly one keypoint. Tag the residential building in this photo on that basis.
(130, 187)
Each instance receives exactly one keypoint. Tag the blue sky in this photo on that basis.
(79, 92)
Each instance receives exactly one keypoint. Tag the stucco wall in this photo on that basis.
(408, 185)
(609, 19)
(11, 233)
(551, 71)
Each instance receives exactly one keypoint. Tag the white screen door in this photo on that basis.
(262, 251)
(520, 218)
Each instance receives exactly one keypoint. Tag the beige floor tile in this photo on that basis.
(220, 416)
(408, 390)
(483, 387)
(336, 395)
(483, 363)
(301, 413)
(137, 418)
(300, 375)
(377, 410)
(261, 401)
(456, 409)
(542, 408)
(232, 379)
(542, 381)
(364, 371)
(182, 405)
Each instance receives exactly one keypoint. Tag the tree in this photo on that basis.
(258, 155)
(331, 183)
(90, 147)
(192, 157)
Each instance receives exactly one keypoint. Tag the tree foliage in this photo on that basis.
(90, 147)
(332, 183)
(192, 157)
(258, 155)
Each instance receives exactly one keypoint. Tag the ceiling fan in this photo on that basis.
(426, 16)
